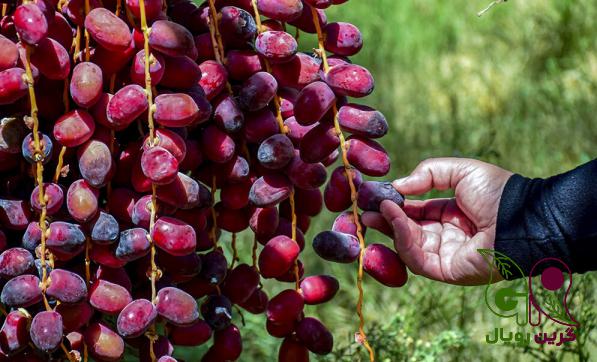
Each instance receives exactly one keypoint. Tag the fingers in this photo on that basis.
(431, 209)
(408, 237)
(441, 210)
(434, 173)
(376, 221)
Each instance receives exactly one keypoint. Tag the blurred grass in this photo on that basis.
(516, 87)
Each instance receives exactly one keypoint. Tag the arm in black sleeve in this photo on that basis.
(553, 217)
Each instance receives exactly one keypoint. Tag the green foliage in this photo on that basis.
(516, 87)
(581, 303)
(393, 342)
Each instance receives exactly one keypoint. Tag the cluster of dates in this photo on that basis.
(120, 245)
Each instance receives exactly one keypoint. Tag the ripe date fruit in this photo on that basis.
(368, 156)
(384, 265)
(234, 130)
(241, 283)
(283, 10)
(372, 193)
(292, 350)
(337, 247)
(65, 240)
(257, 91)
(108, 30)
(350, 80)
(319, 289)
(342, 38)
(193, 335)
(237, 26)
(159, 165)
(108, 297)
(13, 335)
(285, 307)
(313, 102)
(275, 152)
(315, 336)
(177, 306)
(82, 201)
(126, 105)
(30, 23)
(133, 244)
(66, 286)
(172, 39)
(74, 128)
(270, 190)
(86, 84)
(14, 262)
(96, 163)
(276, 46)
(217, 311)
(103, 343)
(227, 343)
(135, 318)
(21, 291)
(362, 121)
(174, 236)
(278, 256)
(46, 330)
(337, 192)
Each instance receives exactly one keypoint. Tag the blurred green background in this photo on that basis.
(516, 87)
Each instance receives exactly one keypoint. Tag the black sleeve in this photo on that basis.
(553, 217)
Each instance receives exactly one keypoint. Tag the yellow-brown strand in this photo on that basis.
(214, 31)
(283, 130)
(40, 181)
(118, 7)
(59, 164)
(4, 9)
(154, 273)
(216, 38)
(87, 51)
(85, 352)
(77, 44)
(353, 194)
(219, 53)
(39, 169)
(67, 352)
(66, 102)
(268, 68)
(87, 263)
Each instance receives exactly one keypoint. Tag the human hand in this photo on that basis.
(439, 238)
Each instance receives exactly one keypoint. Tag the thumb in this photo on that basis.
(434, 173)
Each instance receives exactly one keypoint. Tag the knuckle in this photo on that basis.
(426, 163)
